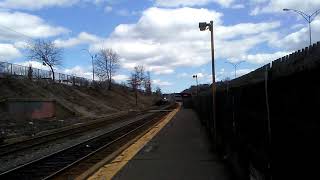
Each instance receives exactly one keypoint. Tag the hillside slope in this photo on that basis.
(84, 101)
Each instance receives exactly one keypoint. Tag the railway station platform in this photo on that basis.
(177, 149)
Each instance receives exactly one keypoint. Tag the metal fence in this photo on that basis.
(18, 71)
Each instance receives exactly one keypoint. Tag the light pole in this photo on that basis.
(235, 65)
(196, 76)
(205, 26)
(92, 59)
(307, 17)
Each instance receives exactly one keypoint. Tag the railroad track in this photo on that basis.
(47, 138)
(82, 155)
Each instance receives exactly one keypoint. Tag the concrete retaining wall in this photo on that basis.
(31, 108)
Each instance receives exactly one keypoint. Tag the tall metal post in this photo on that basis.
(310, 31)
(213, 88)
(235, 66)
(197, 85)
(92, 59)
(196, 76)
(204, 26)
(307, 17)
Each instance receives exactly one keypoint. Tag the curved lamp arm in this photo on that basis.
(313, 15)
(304, 15)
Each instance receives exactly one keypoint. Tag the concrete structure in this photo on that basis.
(30, 108)
(181, 150)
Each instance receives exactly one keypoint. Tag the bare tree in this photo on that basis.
(2, 67)
(136, 80)
(147, 84)
(158, 91)
(106, 64)
(47, 52)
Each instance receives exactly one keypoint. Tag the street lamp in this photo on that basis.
(196, 76)
(307, 17)
(235, 65)
(205, 26)
(92, 59)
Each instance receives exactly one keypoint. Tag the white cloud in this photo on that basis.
(34, 64)
(227, 50)
(148, 42)
(160, 69)
(21, 44)
(108, 9)
(8, 52)
(224, 3)
(82, 38)
(222, 74)
(297, 26)
(87, 73)
(242, 29)
(164, 39)
(158, 82)
(190, 3)
(40, 4)
(22, 25)
(95, 1)
(78, 71)
(238, 6)
(34, 4)
(219, 75)
(299, 38)
(200, 75)
(264, 58)
(257, 1)
(278, 5)
(125, 12)
(241, 72)
(255, 11)
(182, 75)
(75, 71)
(120, 78)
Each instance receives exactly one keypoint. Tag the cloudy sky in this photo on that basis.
(162, 35)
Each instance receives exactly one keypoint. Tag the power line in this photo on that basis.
(22, 34)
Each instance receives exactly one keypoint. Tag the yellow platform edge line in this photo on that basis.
(109, 170)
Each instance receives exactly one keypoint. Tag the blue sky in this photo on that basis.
(162, 35)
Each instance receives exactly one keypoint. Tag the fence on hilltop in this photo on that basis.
(19, 71)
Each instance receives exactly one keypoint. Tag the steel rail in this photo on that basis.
(15, 174)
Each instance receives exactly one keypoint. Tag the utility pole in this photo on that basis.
(196, 76)
(204, 26)
(235, 65)
(307, 17)
(93, 56)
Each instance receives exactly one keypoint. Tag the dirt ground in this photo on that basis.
(85, 102)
